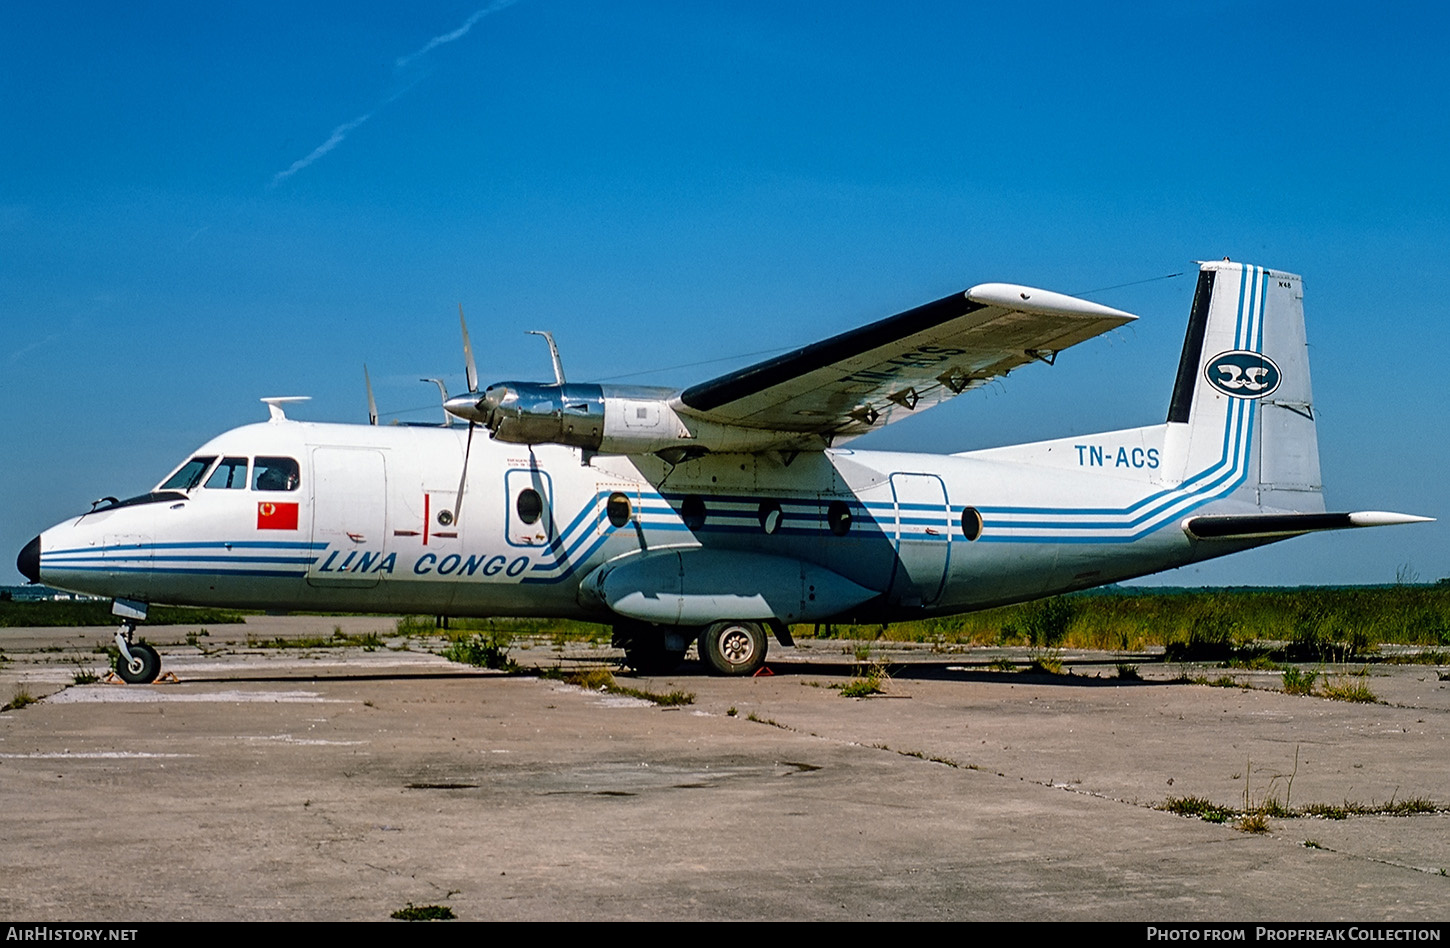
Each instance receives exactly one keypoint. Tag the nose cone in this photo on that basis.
(28, 562)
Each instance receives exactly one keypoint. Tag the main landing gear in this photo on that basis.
(138, 663)
(734, 647)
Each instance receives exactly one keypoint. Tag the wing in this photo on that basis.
(847, 385)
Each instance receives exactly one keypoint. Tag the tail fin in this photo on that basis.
(1241, 422)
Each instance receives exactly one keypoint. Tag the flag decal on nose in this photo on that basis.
(272, 516)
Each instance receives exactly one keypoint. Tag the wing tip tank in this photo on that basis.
(1033, 300)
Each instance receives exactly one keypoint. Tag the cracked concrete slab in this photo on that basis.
(341, 785)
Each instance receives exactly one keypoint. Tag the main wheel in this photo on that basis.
(144, 666)
(733, 648)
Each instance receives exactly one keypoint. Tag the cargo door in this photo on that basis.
(349, 516)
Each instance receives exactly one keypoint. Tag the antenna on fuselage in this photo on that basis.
(553, 352)
(443, 394)
(275, 403)
(372, 405)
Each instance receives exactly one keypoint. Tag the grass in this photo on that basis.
(20, 698)
(1306, 624)
(1198, 807)
(869, 681)
(1253, 822)
(1255, 819)
(423, 913)
(1349, 688)
(1297, 681)
(557, 630)
(602, 679)
(479, 652)
(52, 613)
(369, 641)
(1427, 657)
(861, 688)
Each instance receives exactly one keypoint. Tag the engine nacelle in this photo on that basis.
(606, 419)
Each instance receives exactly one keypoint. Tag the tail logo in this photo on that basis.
(1243, 374)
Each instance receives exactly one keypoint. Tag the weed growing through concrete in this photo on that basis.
(1001, 665)
(369, 641)
(1297, 681)
(1128, 672)
(860, 688)
(866, 684)
(1046, 663)
(601, 679)
(479, 652)
(20, 699)
(1199, 807)
(1350, 688)
(1253, 822)
(1213, 813)
(423, 913)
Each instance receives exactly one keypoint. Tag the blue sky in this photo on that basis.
(204, 204)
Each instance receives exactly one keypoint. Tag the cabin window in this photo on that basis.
(529, 505)
(971, 523)
(189, 476)
(275, 474)
(231, 474)
(770, 516)
(618, 509)
(838, 516)
(692, 511)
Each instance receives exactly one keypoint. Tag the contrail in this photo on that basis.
(342, 131)
(335, 139)
(459, 33)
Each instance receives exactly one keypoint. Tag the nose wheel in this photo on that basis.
(138, 663)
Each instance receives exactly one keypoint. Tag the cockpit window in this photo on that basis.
(189, 476)
(231, 474)
(275, 474)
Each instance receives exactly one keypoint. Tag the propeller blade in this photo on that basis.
(463, 478)
(372, 405)
(468, 364)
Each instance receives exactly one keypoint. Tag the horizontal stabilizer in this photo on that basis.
(1290, 524)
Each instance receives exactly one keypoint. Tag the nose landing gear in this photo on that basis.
(138, 663)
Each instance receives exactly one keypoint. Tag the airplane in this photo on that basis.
(726, 511)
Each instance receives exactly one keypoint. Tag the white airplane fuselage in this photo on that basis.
(367, 534)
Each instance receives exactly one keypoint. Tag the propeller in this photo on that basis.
(469, 401)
